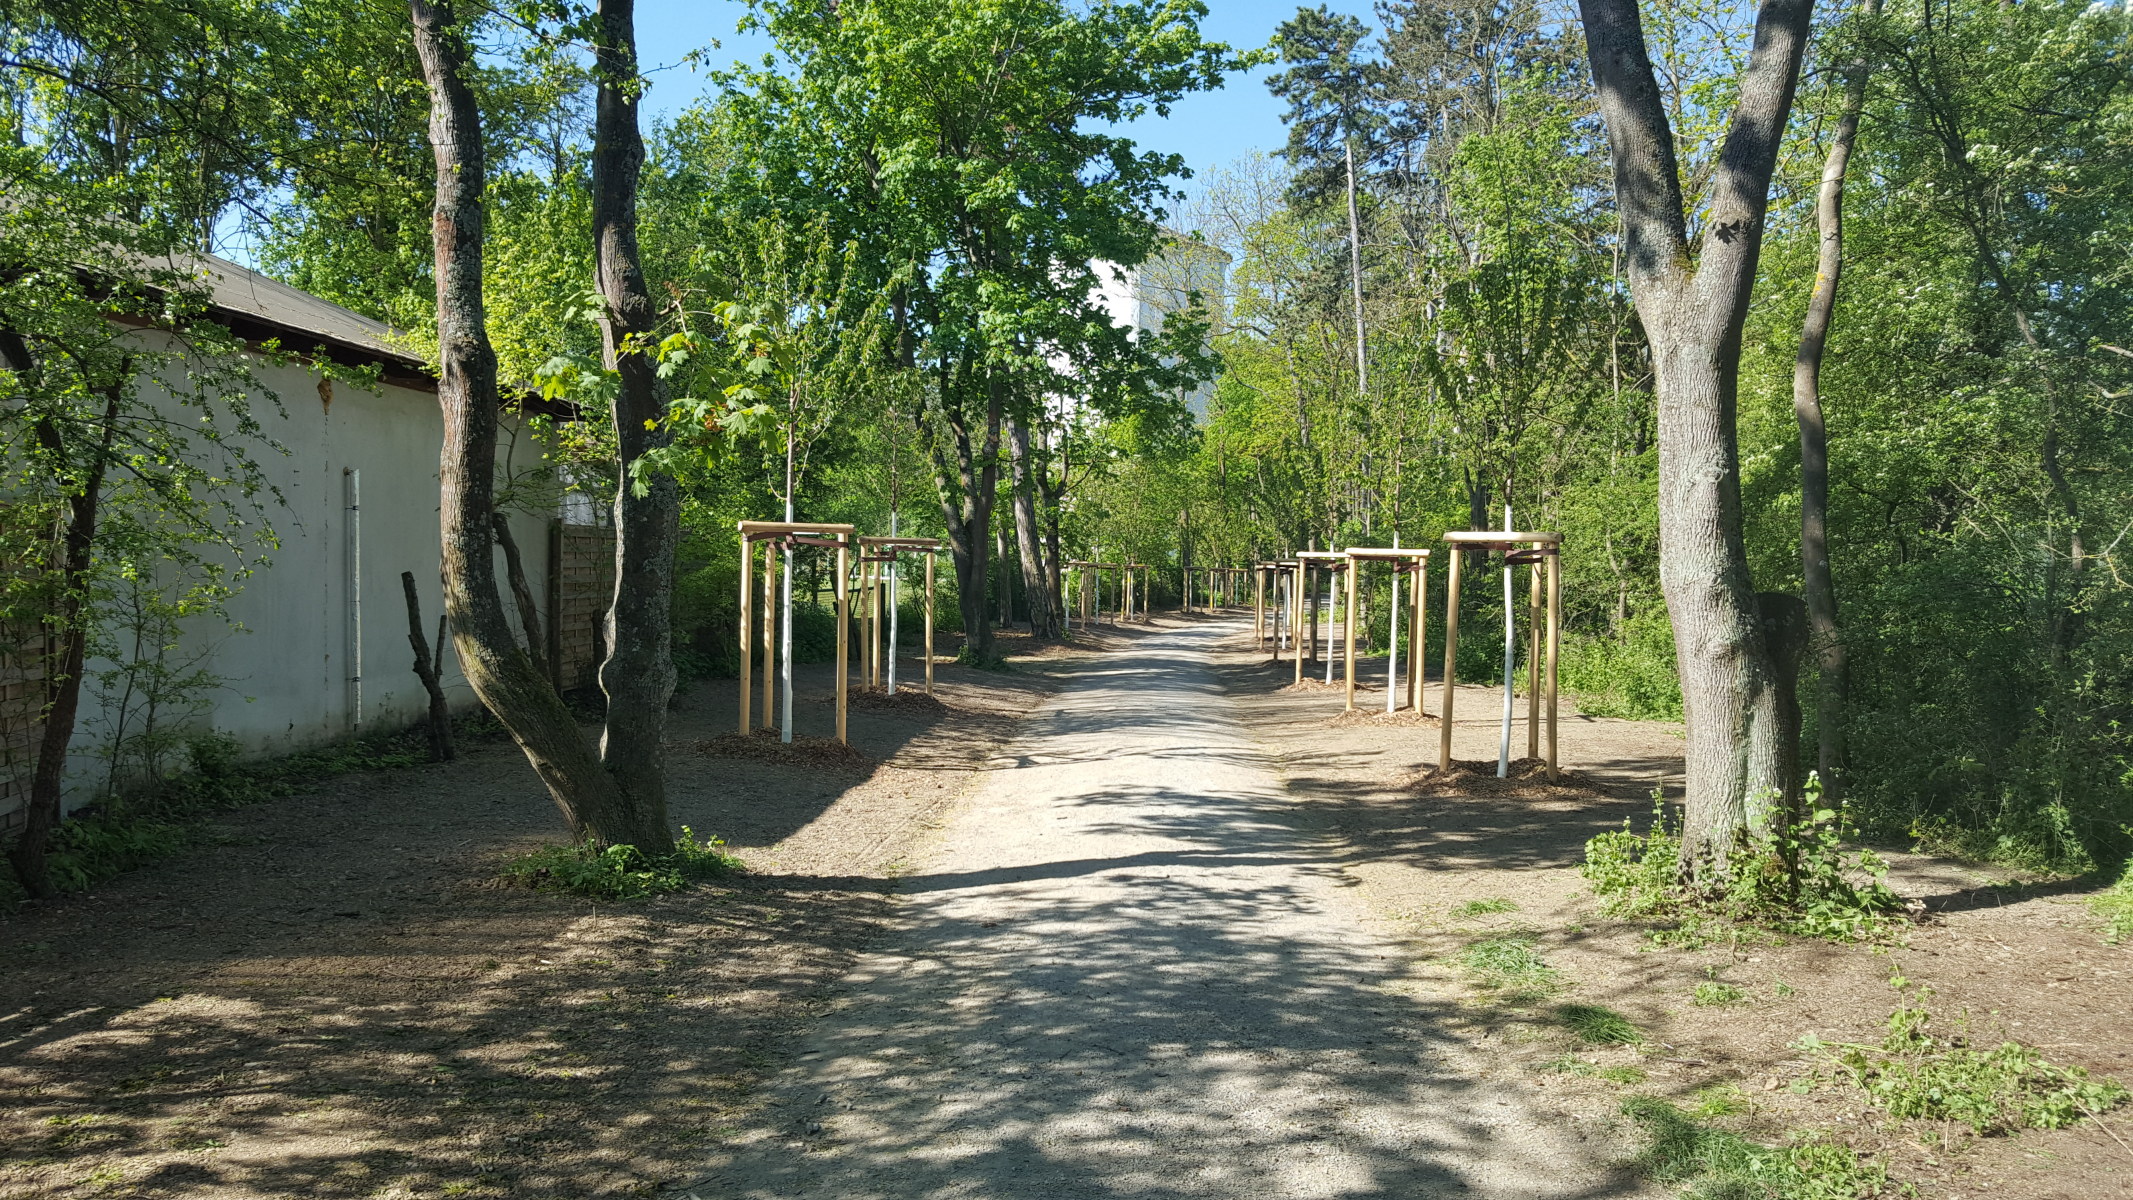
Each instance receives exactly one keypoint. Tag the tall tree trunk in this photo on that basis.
(966, 508)
(1693, 302)
(1035, 591)
(1832, 683)
(638, 675)
(66, 626)
(500, 672)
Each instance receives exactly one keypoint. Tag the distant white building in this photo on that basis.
(1140, 297)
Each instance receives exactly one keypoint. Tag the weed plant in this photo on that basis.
(1483, 908)
(1914, 1075)
(1712, 993)
(2115, 906)
(620, 872)
(1571, 1064)
(1717, 1164)
(1799, 881)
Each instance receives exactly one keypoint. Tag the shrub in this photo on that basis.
(2115, 906)
(1632, 675)
(619, 872)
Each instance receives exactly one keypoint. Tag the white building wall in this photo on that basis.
(1140, 297)
(287, 667)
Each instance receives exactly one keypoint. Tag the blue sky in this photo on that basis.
(1210, 129)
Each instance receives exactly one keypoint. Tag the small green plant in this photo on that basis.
(619, 872)
(1784, 989)
(1598, 1025)
(2115, 906)
(1510, 964)
(1720, 1165)
(1719, 1100)
(1482, 908)
(1712, 993)
(1798, 880)
(1915, 1075)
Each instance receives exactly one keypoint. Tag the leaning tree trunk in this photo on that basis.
(1693, 302)
(1820, 588)
(496, 667)
(1035, 592)
(638, 675)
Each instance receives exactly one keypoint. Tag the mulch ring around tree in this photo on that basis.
(1308, 684)
(1378, 716)
(906, 700)
(764, 745)
(1526, 779)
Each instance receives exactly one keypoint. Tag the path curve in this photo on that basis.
(1124, 972)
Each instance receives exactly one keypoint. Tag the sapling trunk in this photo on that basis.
(427, 669)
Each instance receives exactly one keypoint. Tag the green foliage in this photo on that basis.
(1571, 1064)
(1628, 674)
(620, 872)
(1512, 966)
(2115, 905)
(1599, 1025)
(1711, 993)
(1915, 1075)
(1715, 1164)
(1480, 908)
(1799, 880)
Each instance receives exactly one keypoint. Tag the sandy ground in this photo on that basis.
(1135, 918)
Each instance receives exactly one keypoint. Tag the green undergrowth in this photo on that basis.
(160, 818)
(1717, 1164)
(1801, 881)
(1571, 1064)
(620, 872)
(2115, 906)
(1483, 908)
(1512, 967)
(1598, 1025)
(1914, 1074)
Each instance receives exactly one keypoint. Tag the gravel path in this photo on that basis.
(1124, 971)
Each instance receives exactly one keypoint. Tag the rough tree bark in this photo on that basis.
(430, 671)
(1821, 593)
(966, 507)
(1035, 593)
(592, 801)
(638, 675)
(66, 635)
(1692, 301)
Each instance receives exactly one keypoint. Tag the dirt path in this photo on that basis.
(1125, 969)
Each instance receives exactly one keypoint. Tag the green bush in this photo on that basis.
(2115, 906)
(1631, 675)
(619, 872)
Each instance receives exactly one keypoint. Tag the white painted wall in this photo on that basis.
(1140, 297)
(288, 668)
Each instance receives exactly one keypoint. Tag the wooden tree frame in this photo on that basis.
(789, 535)
(1334, 562)
(1092, 589)
(1264, 573)
(1405, 562)
(1519, 549)
(876, 553)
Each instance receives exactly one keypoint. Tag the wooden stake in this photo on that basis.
(1348, 627)
(1451, 661)
(1417, 652)
(1296, 621)
(930, 555)
(844, 632)
(747, 628)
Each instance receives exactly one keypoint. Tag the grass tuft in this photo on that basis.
(1712, 993)
(1510, 964)
(1482, 908)
(1598, 1025)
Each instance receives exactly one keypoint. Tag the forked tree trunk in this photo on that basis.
(638, 675)
(429, 669)
(1832, 684)
(966, 512)
(1035, 591)
(1693, 303)
(595, 805)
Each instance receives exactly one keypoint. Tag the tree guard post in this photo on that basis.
(1404, 560)
(1535, 550)
(747, 624)
(788, 537)
(930, 556)
(770, 629)
(844, 632)
(1348, 627)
